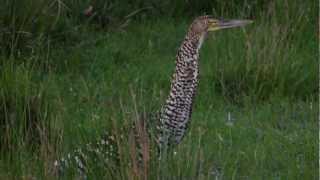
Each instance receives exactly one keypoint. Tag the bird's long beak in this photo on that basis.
(224, 24)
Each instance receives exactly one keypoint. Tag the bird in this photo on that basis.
(174, 116)
(176, 113)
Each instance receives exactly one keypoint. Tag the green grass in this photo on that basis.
(255, 115)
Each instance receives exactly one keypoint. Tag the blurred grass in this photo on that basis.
(255, 116)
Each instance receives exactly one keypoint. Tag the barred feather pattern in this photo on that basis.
(176, 112)
(104, 153)
(100, 153)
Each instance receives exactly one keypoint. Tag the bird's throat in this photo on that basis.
(201, 40)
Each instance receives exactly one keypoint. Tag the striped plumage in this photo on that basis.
(99, 153)
(176, 112)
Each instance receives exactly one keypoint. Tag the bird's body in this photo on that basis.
(176, 113)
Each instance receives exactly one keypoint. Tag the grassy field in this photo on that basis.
(255, 115)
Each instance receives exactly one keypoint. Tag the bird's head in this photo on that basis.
(204, 24)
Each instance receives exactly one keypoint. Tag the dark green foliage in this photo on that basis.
(27, 111)
(68, 80)
(28, 25)
(25, 24)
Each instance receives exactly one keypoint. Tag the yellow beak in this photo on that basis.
(224, 24)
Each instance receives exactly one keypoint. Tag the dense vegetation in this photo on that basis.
(65, 77)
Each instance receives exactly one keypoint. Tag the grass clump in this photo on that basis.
(267, 58)
(27, 126)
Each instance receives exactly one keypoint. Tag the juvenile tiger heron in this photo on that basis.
(176, 112)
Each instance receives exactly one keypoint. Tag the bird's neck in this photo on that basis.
(200, 42)
(178, 107)
(186, 71)
(189, 50)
